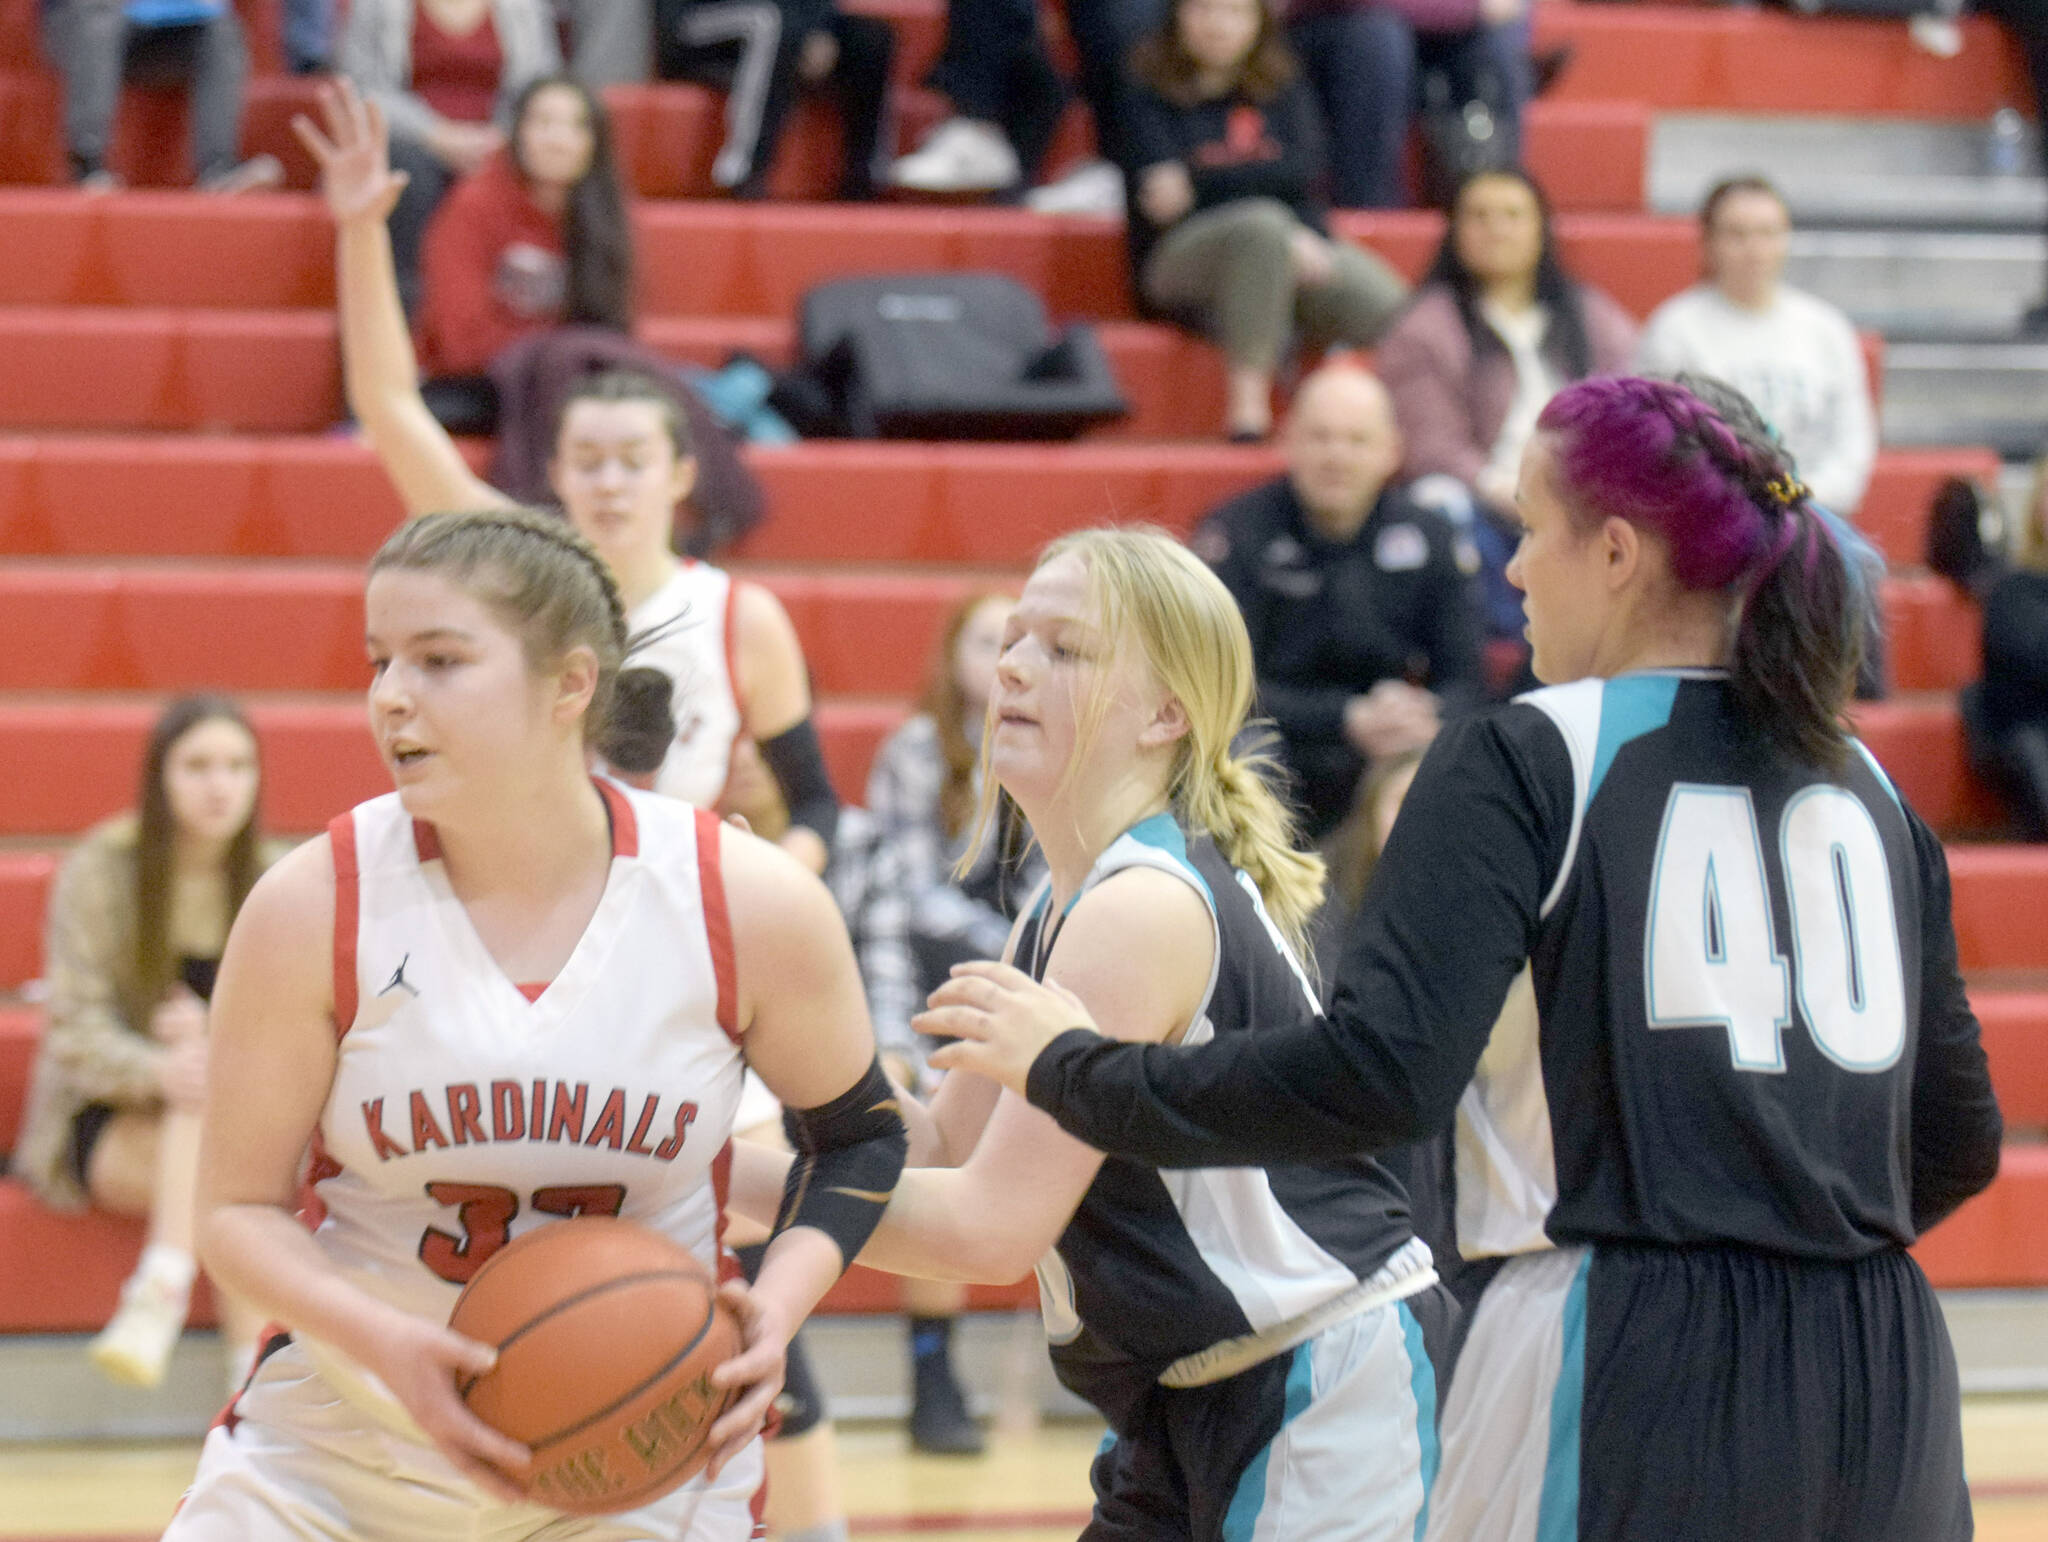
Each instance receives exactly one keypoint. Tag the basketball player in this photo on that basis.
(1742, 1076)
(622, 463)
(502, 994)
(1256, 1339)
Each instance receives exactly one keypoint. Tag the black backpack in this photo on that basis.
(943, 356)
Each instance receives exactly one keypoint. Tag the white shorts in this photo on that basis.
(1499, 1443)
(301, 1462)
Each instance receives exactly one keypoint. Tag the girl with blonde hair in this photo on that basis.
(1255, 1337)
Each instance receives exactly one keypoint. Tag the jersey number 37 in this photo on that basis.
(1711, 956)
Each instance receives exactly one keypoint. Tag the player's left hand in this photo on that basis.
(999, 1019)
(756, 1371)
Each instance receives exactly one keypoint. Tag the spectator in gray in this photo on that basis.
(97, 44)
(1795, 356)
(446, 74)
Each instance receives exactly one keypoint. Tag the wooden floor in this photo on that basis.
(1030, 1488)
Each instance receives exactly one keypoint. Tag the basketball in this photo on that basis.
(607, 1334)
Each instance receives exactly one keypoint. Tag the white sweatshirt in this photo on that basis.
(1799, 362)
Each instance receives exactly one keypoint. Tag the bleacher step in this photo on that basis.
(1840, 170)
(1967, 393)
(1926, 285)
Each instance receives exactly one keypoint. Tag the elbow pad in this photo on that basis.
(849, 1153)
(798, 762)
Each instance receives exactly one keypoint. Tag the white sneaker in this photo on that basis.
(135, 1348)
(1093, 187)
(961, 155)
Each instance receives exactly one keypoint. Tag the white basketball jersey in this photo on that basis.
(691, 621)
(463, 1114)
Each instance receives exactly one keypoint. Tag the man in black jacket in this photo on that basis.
(1358, 599)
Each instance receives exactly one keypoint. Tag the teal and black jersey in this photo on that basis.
(1158, 1270)
(1676, 987)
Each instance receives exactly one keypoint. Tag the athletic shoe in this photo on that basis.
(939, 1422)
(259, 173)
(135, 1348)
(1093, 187)
(961, 155)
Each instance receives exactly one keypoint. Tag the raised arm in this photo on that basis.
(269, 1075)
(379, 370)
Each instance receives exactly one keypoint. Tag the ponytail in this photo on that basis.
(1234, 801)
(1800, 642)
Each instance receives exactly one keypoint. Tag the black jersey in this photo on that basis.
(1743, 1020)
(1159, 1269)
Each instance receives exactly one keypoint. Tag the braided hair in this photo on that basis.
(550, 587)
(1695, 463)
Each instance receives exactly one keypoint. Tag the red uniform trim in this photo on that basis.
(732, 669)
(535, 991)
(718, 923)
(341, 839)
(625, 828)
(426, 841)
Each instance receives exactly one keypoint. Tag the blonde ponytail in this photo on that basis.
(1152, 589)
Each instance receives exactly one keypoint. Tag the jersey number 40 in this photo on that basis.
(1711, 954)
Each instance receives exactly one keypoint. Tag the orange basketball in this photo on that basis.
(607, 1334)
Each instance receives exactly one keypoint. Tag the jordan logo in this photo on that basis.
(398, 981)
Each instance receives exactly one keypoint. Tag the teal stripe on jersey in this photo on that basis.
(1163, 833)
(1421, 1382)
(1241, 1520)
(1557, 1517)
(1631, 706)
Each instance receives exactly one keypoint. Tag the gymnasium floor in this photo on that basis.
(1032, 1487)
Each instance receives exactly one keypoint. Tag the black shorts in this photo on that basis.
(1653, 1394)
(87, 1126)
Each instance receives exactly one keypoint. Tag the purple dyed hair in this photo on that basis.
(1706, 476)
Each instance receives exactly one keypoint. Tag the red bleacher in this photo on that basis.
(173, 513)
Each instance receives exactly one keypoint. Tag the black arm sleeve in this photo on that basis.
(798, 762)
(1446, 926)
(1956, 1123)
(849, 1154)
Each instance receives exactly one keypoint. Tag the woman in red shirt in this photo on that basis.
(535, 238)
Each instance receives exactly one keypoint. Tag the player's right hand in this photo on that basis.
(422, 1363)
(353, 154)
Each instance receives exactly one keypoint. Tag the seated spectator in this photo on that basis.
(762, 53)
(1365, 59)
(536, 238)
(136, 924)
(1794, 356)
(2027, 21)
(1008, 96)
(923, 793)
(1358, 599)
(1223, 157)
(1496, 329)
(2011, 706)
(611, 42)
(96, 44)
(446, 74)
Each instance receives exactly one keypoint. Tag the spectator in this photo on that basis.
(2027, 21)
(95, 44)
(534, 239)
(446, 74)
(923, 792)
(136, 924)
(1358, 600)
(1364, 59)
(1794, 356)
(611, 42)
(1008, 96)
(2011, 707)
(1224, 154)
(1496, 329)
(762, 53)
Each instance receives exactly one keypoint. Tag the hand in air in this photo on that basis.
(1000, 1018)
(353, 153)
(421, 1363)
(756, 1370)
